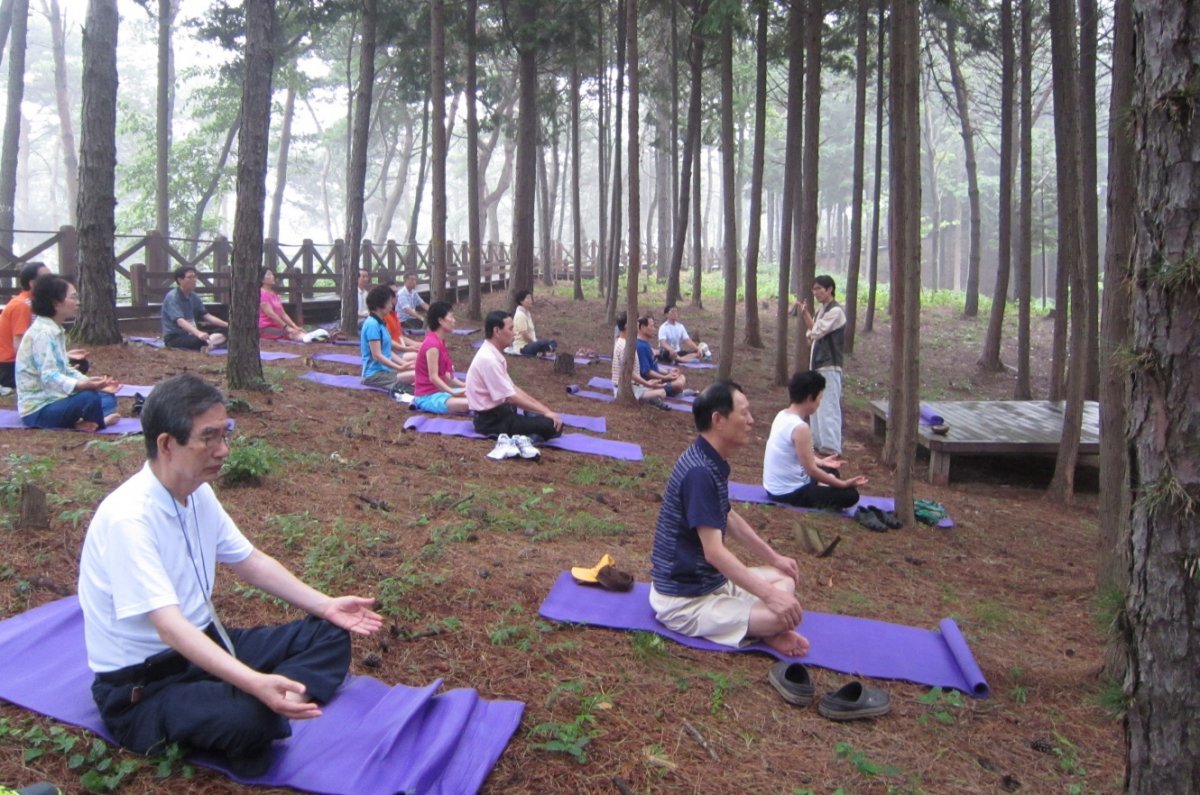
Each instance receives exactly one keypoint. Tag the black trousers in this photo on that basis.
(505, 419)
(818, 495)
(167, 699)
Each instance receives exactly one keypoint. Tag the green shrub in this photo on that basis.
(249, 462)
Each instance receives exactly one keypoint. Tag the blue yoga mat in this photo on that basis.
(371, 740)
(857, 646)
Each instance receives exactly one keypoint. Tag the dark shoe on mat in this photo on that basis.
(889, 519)
(854, 701)
(793, 682)
(867, 518)
(611, 578)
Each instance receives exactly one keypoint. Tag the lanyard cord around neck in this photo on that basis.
(202, 580)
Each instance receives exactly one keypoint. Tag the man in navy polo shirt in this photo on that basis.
(700, 587)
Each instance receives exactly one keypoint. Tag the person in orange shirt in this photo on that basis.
(396, 329)
(14, 322)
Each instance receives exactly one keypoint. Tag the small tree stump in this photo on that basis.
(34, 512)
(564, 364)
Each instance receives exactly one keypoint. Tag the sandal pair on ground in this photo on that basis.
(854, 701)
(605, 574)
(876, 519)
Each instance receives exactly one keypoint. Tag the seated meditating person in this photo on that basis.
(381, 366)
(14, 322)
(643, 390)
(792, 472)
(183, 311)
(493, 396)
(166, 670)
(435, 388)
(409, 304)
(660, 376)
(674, 343)
(50, 393)
(400, 342)
(273, 320)
(525, 339)
(700, 587)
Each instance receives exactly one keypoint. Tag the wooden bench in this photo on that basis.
(995, 427)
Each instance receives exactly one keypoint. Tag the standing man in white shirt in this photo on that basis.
(826, 332)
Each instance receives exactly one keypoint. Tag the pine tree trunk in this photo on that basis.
(576, 204)
(690, 163)
(1070, 239)
(877, 193)
(962, 102)
(990, 359)
(753, 336)
(97, 322)
(862, 23)
(62, 97)
(1023, 389)
(1088, 189)
(729, 210)
(244, 368)
(437, 80)
(356, 178)
(12, 121)
(165, 102)
(793, 153)
(630, 32)
(805, 267)
(614, 242)
(281, 162)
(904, 251)
(1163, 606)
(475, 264)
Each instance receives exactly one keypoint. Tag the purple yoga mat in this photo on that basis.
(698, 365)
(130, 390)
(575, 442)
(153, 342)
(603, 397)
(266, 356)
(857, 646)
(341, 381)
(11, 419)
(747, 492)
(679, 403)
(464, 332)
(340, 358)
(371, 739)
(930, 417)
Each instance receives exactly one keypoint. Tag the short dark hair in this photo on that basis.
(263, 271)
(805, 385)
(48, 290)
(622, 321)
(29, 274)
(493, 321)
(378, 296)
(410, 275)
(644, 320)
(717, 399)
(437, 311)
(521, 295)
(181, 272)
(667, 309)
(173, 407)
(826, 281)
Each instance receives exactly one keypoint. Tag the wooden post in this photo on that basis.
(339, 264)
(306, 266)
(137, 284)
(221, 249)
(296, 292)
(68, 251)
(156, 252)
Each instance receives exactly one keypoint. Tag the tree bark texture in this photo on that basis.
(1023, 389)
(614, 242)
(437, 91)
(805, 268)
(753, 336)
(1163, 604)
(474, 231)
(1088, 189)
(990, 359)
(963, 105)
(62, 97)
(729, 210)
(862, 25)
(793, 152)
(281, 161)
(1070, 238)
(1113, 561)
(97, 322)
(356, 178)
(877, 193)
(576, 202)
(244, 368)
(905, 254)
(690, 162)
(164, 103)
(625, 387)
(12, 121)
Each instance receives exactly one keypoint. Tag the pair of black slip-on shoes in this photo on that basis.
(854, 701)
(876, 519)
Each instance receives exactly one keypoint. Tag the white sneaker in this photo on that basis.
(525, 448)
(504, 448)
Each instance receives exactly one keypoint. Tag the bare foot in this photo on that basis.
(112, 419)
(792, 644)
(84, 425)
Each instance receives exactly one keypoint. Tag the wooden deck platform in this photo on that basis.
(995, 427)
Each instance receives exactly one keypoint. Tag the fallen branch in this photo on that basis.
(705, 744)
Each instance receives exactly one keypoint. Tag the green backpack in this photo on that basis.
(928, 511)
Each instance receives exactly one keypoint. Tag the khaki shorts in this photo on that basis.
(722, 616)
